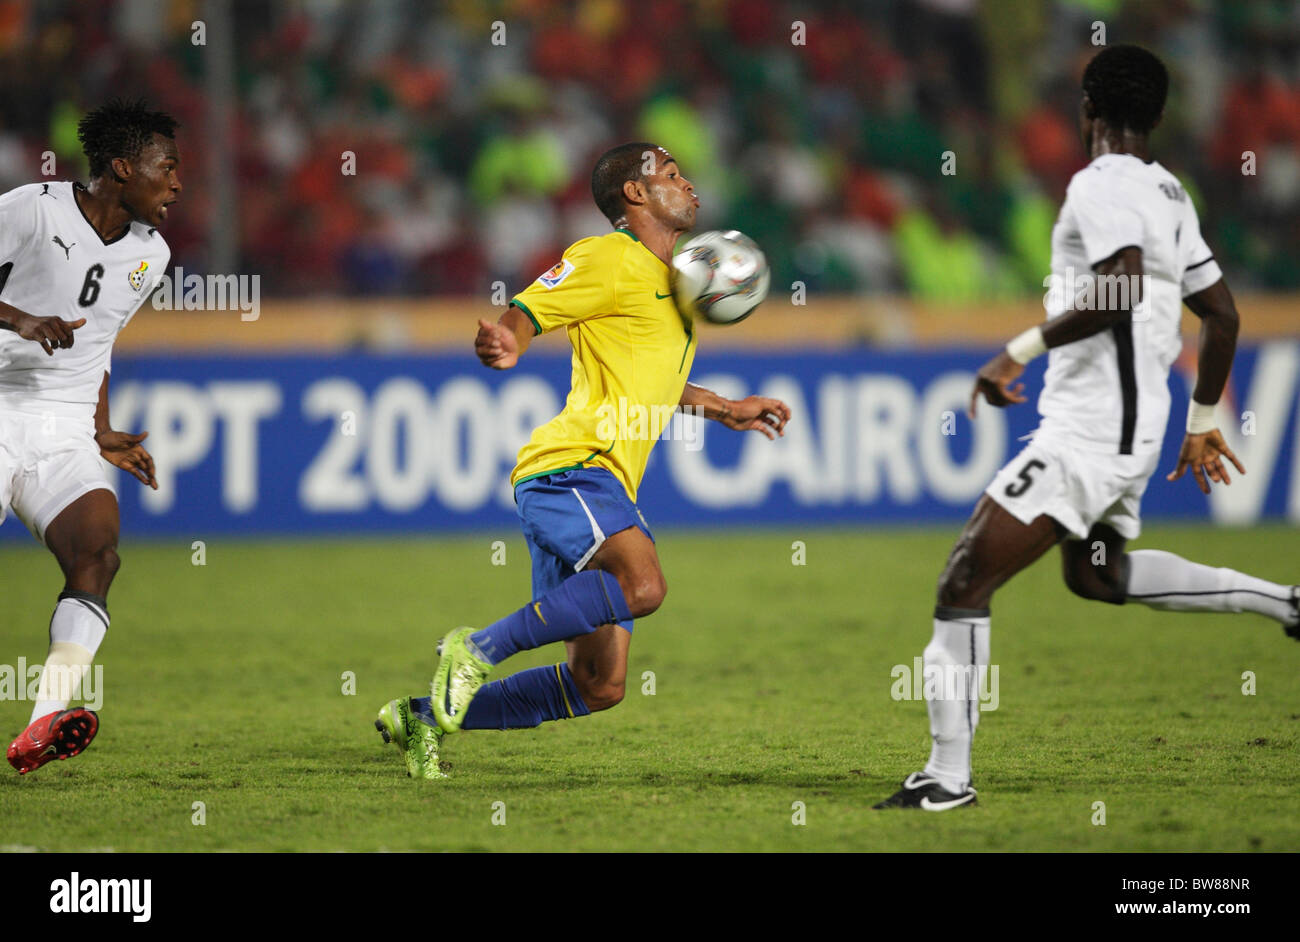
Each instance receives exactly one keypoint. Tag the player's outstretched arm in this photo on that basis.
(753, 412)
(52, 333)
(996, 376)
(1203, 447)
(122, 448)
(500, 345)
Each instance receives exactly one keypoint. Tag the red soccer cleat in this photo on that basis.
(53, 736)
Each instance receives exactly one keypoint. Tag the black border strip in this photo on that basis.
(1123, 333)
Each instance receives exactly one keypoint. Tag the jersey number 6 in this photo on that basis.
(1014, 489)
(90, 287)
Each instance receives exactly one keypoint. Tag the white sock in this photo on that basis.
(1173, 584)
(78, 627)
(956, 665)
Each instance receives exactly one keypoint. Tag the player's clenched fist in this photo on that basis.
(52, 333)
(496, 345)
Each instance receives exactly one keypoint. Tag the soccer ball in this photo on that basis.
(720, 276)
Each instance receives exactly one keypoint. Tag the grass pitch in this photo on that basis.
(225, 684)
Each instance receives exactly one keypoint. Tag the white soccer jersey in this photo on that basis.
(53, 262)
(1110, 392)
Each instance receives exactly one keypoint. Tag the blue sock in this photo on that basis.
(520, 701)
(577, 606)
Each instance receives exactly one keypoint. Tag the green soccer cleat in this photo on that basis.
(420, 742)
(457, 679)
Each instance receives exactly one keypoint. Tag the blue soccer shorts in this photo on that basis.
(567, 516)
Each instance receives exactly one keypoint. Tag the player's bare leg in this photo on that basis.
(598, 661)
(83, 538)
(1098, 568)
(992, 548)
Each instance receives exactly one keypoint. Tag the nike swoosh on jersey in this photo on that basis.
(662, 296)
(929, 805)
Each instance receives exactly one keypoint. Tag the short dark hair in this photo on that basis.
(120, 129)
(1127, 86)
(614, 168)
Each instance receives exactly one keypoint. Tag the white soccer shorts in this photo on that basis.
(47, 461)
(1074, 486)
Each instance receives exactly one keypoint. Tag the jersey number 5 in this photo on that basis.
(1014, 489)
(90, 287)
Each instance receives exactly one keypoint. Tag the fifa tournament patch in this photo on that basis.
(557, 273)
(137, 277)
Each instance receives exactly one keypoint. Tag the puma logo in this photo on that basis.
(67, 249)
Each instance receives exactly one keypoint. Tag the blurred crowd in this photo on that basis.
(918, 146)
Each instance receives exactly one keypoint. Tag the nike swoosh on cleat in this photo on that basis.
(929, 805)
(50, 750)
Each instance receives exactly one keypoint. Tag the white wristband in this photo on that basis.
(1026, 346)
(1200, 418)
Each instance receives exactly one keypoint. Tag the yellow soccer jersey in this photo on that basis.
(632, 353)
